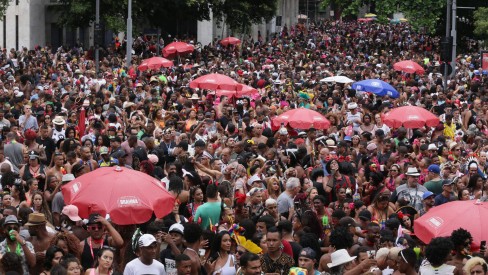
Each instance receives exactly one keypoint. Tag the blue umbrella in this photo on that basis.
(377, 87)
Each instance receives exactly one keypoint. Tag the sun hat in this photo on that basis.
(412, 171)
(36, 219)
(195, 97)
(71, 211)
(340, 257)
(59, 120)
(146, 240)
(11, 219)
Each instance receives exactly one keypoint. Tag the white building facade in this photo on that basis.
(29, 23)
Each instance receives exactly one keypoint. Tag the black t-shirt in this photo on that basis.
(50, 147)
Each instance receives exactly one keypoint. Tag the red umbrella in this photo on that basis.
(365, 20)
(216, 82)
(128, 196)
(408, 66)
(155, 63)
(177, 48)
(230, 41)
(410, 117)
(440, 221)
(246, 90)
(302, 118)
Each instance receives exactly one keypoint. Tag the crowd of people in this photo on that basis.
(251, 197)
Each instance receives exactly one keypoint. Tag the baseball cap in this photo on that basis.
(103, 150)
(434, 168)
(347, 221)
(447, 182)
(365, 215)
(71, 211)
(67, 178)
(33, 155)
(146, 240)
(307, 252)
(177, 227)
(116, 139)
(427, 194)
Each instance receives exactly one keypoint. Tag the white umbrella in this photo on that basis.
(338, 79)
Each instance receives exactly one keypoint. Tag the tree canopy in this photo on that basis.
(481, 23)
(238, 14)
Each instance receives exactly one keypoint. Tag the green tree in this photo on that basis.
(481, 23)
(422, 14)
(3, 7)
(239, 15)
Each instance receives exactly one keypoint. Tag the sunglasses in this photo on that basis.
(16, 228)
(94, 227)
(240, 252)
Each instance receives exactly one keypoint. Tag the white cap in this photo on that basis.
(146, 240)
(432, 147)
(283, 131)
(177, 227)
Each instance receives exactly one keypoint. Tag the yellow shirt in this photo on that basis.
(449, 130)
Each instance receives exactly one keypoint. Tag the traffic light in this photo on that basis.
(446, 49)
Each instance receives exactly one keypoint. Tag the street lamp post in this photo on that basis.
(129, 34)
(97, 35)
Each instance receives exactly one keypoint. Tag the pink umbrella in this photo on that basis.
(408, 66)
(230, 41)
(155, 63)
(365, 20)
(302, 118)
(216, 82)
(410, 117)
(177, 48)
(246, 90)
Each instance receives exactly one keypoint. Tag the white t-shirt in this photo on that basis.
(136, 267)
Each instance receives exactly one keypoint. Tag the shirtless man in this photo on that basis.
(58, 168)
(86, 158)
(258, 137)
(193, 235)
(40, 239)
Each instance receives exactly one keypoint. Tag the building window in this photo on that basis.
(17, 2)
(17, 32)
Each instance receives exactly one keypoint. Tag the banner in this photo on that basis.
(484, 60)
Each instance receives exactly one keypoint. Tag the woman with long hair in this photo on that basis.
(475, 186)
(18, 195)
(196, 199)
(54, 255)
(39, 205)
(273, 189)
(394, 177)
(380, 208)
(69, 243)
(220, 251)
(104, 264)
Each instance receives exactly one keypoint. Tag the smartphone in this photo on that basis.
(165, 229)
(483, 245)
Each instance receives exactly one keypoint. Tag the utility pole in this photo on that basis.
(454, 37)
(97, 36)
(129, 34)
(448, 20)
